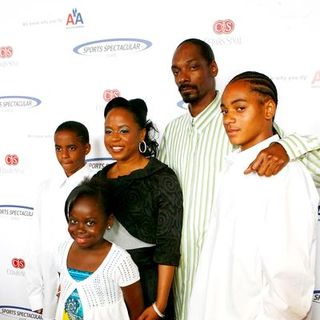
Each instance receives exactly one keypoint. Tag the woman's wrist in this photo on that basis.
(157, 311)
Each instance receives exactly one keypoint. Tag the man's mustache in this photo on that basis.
(186, 86)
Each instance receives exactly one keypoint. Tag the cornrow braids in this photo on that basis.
(259, 82)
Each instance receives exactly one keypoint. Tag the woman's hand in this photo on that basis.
(165, 278)
(148, 314)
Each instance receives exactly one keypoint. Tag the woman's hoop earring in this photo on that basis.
(142, 147)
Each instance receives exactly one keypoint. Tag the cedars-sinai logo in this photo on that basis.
(11, 159)
(109, 94)
(6, 52)
(112, 47)
(18, 263)
(223, 26)
(18, 102)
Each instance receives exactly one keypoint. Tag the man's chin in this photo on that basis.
(189, 98)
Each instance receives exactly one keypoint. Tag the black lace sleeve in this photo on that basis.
(169, 219)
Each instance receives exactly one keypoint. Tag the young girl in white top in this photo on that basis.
(98, 280)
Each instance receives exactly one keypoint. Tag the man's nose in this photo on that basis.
(183, 77)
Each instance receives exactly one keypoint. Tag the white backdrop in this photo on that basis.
(63, 60)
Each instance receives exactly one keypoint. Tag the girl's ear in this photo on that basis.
(270, 109)
(110, 221)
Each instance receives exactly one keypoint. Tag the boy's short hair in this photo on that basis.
(78, 128)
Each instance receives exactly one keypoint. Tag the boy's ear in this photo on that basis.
(88, 148)
(270, 109)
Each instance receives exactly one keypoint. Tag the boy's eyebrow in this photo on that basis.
(234, 101)
(68, 145)
(237, 100)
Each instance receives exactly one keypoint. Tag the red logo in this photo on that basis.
(11, 159)
(316, 79)
(110, 94)
(18, 263)
(223, 26)
(6, 52)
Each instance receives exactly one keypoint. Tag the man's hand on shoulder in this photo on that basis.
(269, 161)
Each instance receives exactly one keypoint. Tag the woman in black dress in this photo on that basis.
(147, 202)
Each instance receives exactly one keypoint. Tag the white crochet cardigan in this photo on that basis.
(101, 295)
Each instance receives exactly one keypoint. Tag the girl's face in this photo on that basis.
(247, 117)
(70, 151)
(87, 223)
(122, 135)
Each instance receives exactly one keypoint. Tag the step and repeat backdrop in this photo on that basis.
(64, 60)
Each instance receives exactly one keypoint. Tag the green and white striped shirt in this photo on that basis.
(195, 148)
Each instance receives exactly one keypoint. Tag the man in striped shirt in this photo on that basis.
(195, 145)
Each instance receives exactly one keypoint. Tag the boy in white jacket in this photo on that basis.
(72, 144)
(258, 256)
